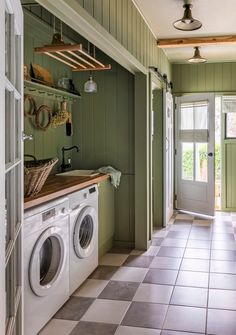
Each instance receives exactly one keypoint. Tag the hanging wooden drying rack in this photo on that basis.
(74, 56)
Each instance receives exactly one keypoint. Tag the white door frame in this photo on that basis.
(168, 157)
(2, 168)
(195, 189)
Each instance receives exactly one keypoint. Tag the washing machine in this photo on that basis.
(83, 235)
(46, 263)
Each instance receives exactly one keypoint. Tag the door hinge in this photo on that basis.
(175, 197)
(175, 151)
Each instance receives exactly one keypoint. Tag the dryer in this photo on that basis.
(46, 263)
(83, 235)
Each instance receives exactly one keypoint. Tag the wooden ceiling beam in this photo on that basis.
(195, 41)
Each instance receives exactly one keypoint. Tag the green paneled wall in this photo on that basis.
(104, 131)
(103, 126)
(45, 143)
(212, 77)
(215, 77)
(124, 22)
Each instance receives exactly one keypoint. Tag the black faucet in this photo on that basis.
(63, 165)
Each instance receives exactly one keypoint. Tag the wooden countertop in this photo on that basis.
(59, 186)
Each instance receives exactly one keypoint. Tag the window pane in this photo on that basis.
(231, 125)
(201, 161)
(200, 117)
(187, 161)
(186, 118)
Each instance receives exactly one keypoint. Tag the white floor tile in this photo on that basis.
(184, 217)
(91, 288)
(113, 259)
(154, 293)
(170, 263)
(124, 330)
(131, 274)
(107, 311)
(58, 327)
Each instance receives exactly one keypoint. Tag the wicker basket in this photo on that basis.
(36, 173)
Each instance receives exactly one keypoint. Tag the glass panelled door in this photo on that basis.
(195, 153)
(12, 84)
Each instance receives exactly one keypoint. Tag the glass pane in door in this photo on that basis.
(201, 161)
(187, 161)
(200, 116)
(187, 120)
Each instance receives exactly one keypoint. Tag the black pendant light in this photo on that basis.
(187, 22)
(197, 58)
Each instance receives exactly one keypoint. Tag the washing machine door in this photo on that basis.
(47, 261)
(85, 232)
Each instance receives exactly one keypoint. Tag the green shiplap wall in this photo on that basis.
(124, 22)
(104, 131)
(47, 143)
(213, 77)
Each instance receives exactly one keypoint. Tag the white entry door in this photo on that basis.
(168, 157)
(195, 153)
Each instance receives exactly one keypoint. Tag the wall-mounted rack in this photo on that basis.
(74, 56)
(48, 92)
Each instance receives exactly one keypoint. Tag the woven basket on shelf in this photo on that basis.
(36, 173)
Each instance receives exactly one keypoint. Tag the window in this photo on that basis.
(229, 108)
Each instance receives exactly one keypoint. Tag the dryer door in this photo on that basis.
(85, 232)
(47, 261)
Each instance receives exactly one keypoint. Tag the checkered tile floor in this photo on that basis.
(184, 284)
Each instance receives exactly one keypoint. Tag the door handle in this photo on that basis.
(210, 154)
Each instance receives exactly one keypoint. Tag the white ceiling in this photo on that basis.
(218, 18)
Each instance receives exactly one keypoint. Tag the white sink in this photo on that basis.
(79, 173)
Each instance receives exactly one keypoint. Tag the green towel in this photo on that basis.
(113, 173)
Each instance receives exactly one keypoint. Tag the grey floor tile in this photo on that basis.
(138, 261)
(189, 264)
(146, 315)
(197, 253)
(223, 267)
(221, 322)
(157, 241)
(126, 330)
(119, 290)
(178, 234)
(200, 236)
(94, 328)
(193, 279)
(170, 263)
(189, 319)
(222, 299)
(223, 281)
(223, 255)
(189, 296)
(161, 276)
(174, 242)
(199, 244)
(182, 221)
(104, 272)
(74, 308)
(171, 252)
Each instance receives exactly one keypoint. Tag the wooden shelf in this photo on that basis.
(48, 92)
